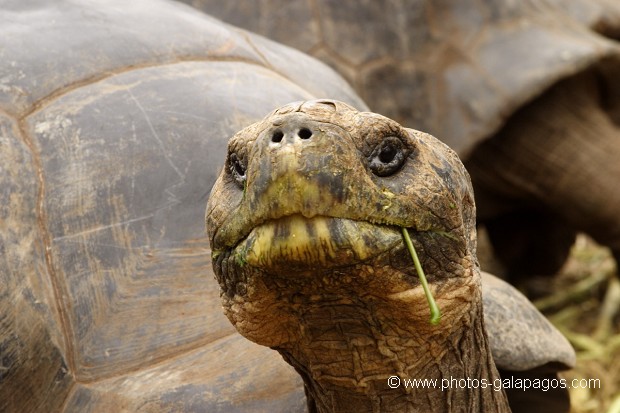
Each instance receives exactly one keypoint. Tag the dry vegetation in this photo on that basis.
(583, 303)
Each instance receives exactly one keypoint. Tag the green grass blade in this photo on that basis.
(435, 313)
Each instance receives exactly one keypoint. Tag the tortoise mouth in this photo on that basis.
(295, 241)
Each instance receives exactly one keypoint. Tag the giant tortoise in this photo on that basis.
(305, 228)
(528, 94)
(114, 118)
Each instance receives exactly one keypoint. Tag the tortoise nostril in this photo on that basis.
(277, 136)
(304, 133)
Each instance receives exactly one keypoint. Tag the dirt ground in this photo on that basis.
(583, 301)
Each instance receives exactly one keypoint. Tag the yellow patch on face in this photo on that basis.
(315, 242)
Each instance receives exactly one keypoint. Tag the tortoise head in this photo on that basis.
(305, 226)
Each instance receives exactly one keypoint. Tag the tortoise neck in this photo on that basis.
(360, 367)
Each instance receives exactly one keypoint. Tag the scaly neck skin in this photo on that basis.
(348, 352)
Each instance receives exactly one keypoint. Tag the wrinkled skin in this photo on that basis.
(304, 222)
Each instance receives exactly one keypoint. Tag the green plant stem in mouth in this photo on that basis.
(435, 313)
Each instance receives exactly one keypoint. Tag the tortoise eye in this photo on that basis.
(237, 169)
(388, 156)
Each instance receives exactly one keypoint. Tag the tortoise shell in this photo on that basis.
(455, 69)
(114, 119)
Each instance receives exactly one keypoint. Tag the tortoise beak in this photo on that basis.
(319, 242)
